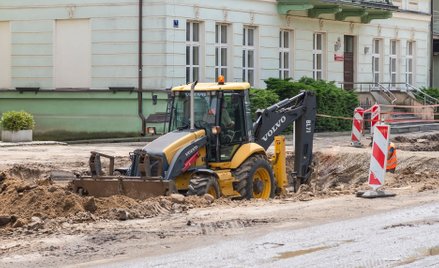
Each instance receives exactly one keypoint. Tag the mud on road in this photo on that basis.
(37, 210)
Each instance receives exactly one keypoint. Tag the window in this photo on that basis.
(376, 60)
(284, 54)
(72, 54)
(409, 62)
(393, 61)
(204, 109)
(248, 55)
(5, 55)
(317, 57)
(192, 51)
(221, 50)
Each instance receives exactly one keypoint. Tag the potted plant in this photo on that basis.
(17, 126)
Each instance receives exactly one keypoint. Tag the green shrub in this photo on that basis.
(434, 92)
(15, 121)
(331, 100)
(261, 99)
(285, 88)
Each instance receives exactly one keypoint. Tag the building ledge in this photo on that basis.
(342, 10)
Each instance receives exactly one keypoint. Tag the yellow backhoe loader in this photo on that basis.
(212, 146)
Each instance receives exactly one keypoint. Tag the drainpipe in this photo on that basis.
(140, 70)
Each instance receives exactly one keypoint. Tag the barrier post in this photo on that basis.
(378, 161)
(374, 117)
(357, 127)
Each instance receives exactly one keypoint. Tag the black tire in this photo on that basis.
(201, 184)
(246, 184)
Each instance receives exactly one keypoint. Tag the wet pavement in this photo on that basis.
(401, 238)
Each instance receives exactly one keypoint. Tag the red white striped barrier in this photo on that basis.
(378, 161)
(375, 117)
(357, 127)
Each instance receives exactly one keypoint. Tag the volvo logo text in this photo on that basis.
(274, 128)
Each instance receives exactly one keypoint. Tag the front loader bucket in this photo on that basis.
(134, 187)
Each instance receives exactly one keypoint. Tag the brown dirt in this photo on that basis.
(23, 199)
(343, 173)
(426, 143)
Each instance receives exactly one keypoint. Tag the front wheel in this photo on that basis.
(201, 184)
(255, 178)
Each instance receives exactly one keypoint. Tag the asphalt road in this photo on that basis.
(401, 238)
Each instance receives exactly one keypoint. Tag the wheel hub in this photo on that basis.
(258, 186)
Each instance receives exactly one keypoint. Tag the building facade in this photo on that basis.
(94, 44)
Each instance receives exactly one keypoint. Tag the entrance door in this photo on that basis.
(348, 61)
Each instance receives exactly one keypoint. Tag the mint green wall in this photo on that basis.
(97, 112)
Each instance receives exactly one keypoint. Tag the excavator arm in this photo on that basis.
(276, 118)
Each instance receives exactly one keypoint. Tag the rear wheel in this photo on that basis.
(201, 184)
(255, 178)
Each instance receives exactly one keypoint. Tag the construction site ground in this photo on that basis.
(43, 224)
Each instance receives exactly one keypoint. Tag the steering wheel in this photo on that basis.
(227, 136)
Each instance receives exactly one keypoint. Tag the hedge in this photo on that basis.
(261, 98)
(434, 92)
(331, 100)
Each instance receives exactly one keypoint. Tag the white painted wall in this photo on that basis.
(72, 54)
(5, 55)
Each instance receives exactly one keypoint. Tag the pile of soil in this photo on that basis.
(334, 174)
(27, 202)
(425, 143)
(347, 173)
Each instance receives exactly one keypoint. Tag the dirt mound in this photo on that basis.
(347, 173)
(335, 174)
(425, 143)
(25, 202)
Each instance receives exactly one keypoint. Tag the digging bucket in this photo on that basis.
(134, 187)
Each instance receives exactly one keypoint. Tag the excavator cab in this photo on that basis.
(223, 115)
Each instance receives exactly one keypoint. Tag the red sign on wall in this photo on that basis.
(338, 57)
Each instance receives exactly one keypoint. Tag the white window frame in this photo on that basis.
(318, 51)
(410, 62)
(249, 55)
(393, 62)
(193, 51)
(285, 53)
(377, 49)
(221, 46)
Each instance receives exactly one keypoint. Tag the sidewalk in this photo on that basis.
(30, 143)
